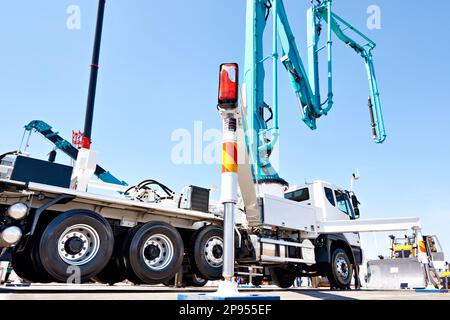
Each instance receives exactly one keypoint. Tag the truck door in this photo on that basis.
(345, 208)
(344, 205)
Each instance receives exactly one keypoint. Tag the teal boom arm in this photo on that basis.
(262, 137)
(291, 60)
(65, 146)
(323, 12)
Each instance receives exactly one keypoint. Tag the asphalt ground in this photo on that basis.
(130, 292)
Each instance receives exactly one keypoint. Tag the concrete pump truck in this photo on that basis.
(57, 224)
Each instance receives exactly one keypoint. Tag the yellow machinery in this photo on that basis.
(403, 269)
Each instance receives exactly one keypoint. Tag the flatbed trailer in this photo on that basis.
(40, 219)
(125, 212)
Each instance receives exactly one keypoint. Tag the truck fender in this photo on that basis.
(61, 199)
(324, 246)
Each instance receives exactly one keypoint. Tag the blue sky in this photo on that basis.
(158, 73)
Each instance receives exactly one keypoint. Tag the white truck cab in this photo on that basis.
(329, 201)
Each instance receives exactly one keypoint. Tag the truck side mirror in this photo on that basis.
(357, 214)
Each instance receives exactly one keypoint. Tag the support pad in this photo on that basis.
(433, 290)
(17, 284)
(248, 286)
(246, 297)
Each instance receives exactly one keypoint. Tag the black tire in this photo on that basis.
(114, 271)
(193, 280)
(136, 253)
(341, 271)
(130, 275)
(282, 277)
(23, 266)
(207, 265)
(26, 263)
(42, 275)
(93, 238)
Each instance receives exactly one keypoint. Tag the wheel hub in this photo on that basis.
(78, 244)
(217, 251)
(152, 252)
(158, 252)
(342, 268)
(213, 251)
(74, 245)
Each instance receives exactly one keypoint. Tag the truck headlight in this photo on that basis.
(10, 236)
(17, 211)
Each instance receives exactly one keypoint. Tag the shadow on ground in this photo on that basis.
(323, 295)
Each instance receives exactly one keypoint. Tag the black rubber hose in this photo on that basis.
(147, 182)
(7, 154)
(167, 190)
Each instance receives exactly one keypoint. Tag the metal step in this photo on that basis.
(284, 259)
(286, 243)
(249, 273)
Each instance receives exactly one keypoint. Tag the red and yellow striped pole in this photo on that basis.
(227, 105)
(229, 156)
(229, 161)
(229, 191)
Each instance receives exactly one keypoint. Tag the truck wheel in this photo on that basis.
(153, 253)
(206, 252)
(26, 263)
(78, 238)
(23, 266)
(130, 275)
(282, 277)
(341, 272)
